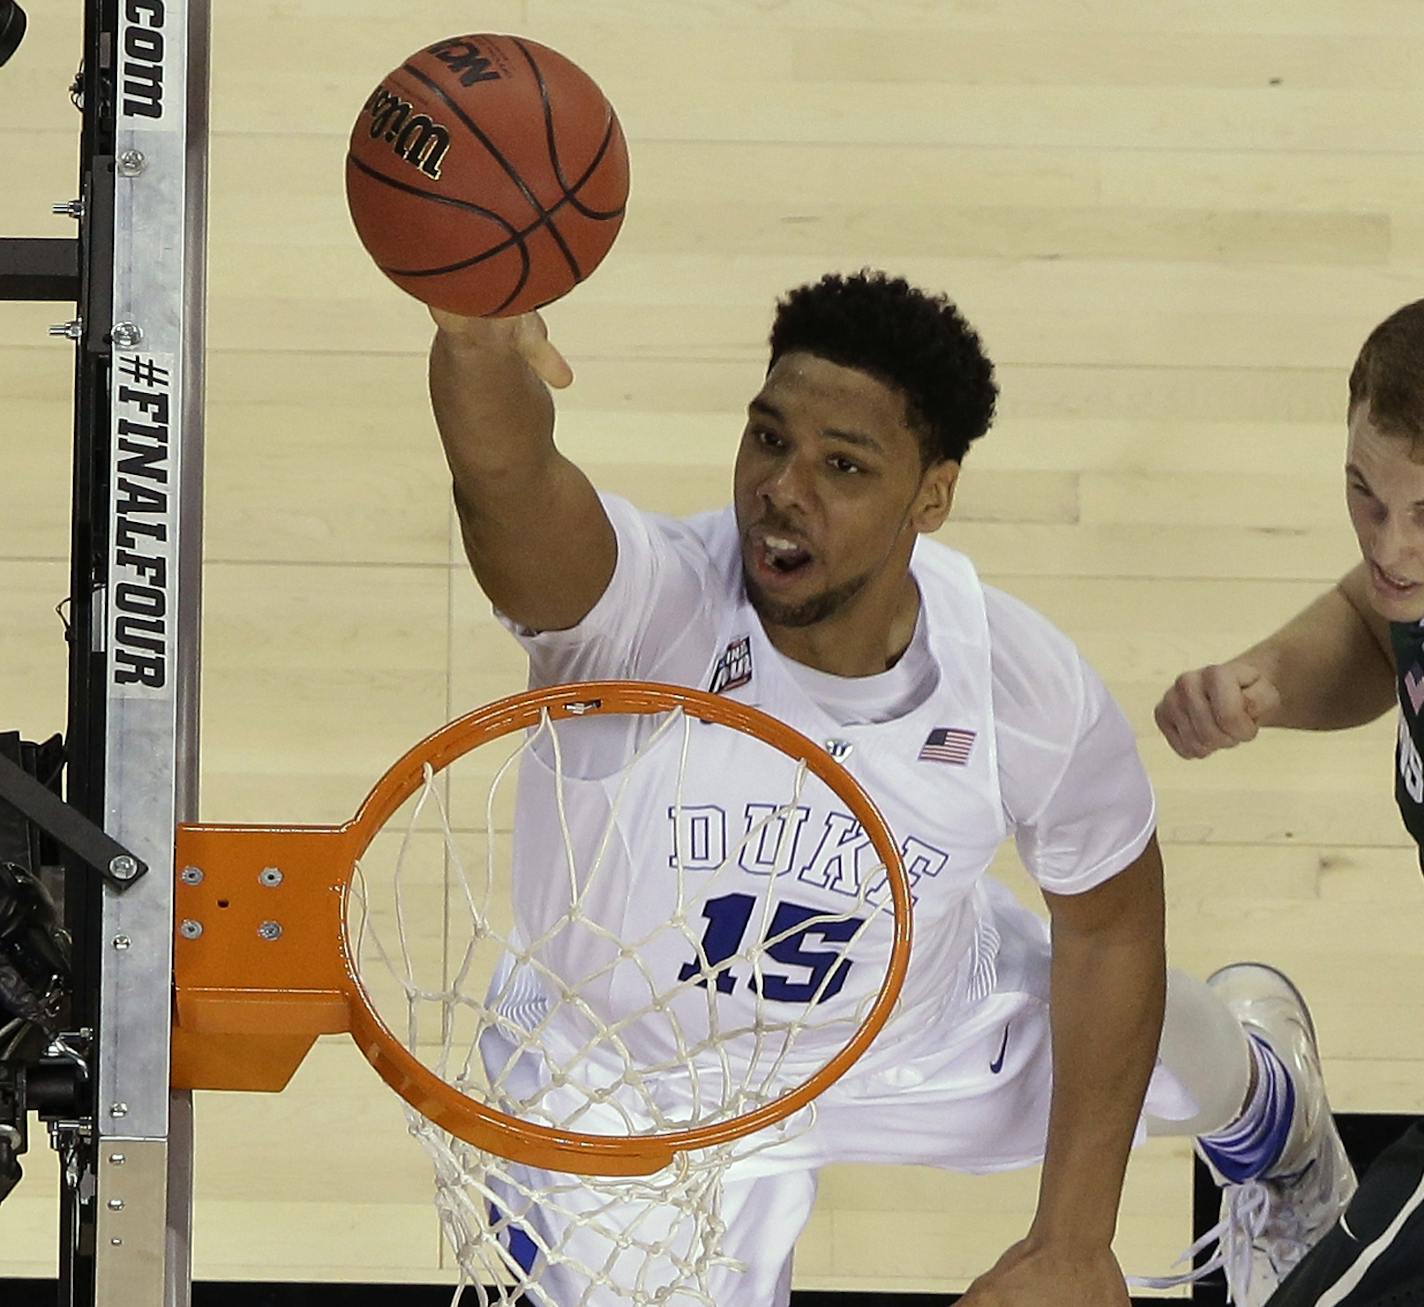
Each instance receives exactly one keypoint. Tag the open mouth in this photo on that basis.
(1391, 584)
(782, 554)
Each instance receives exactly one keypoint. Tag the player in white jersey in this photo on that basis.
(969, 718)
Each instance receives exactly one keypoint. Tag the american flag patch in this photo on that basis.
(947, 744)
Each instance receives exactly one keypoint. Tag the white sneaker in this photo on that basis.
(1268, 1224)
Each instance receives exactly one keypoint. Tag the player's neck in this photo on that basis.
(865, 638)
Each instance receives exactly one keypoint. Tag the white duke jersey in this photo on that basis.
(1011, 734)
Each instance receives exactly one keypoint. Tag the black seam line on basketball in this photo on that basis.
(570, 192)
(526, 263)
(474, 130)
(553, 151)
(601, 215)
(499, 158)
(569, 195)
(468, 205)
(517, 236)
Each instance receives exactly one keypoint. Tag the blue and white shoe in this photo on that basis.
(1269, 1223)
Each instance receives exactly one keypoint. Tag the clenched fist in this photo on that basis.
(1215, 708)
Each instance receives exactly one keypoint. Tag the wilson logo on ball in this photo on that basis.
(461, 55)
(415, 137)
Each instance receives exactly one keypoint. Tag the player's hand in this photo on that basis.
(1031, 1275)
(1215, 708)
(525, 335)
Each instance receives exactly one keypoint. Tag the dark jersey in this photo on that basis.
(1374, 1257)
(1408, 641)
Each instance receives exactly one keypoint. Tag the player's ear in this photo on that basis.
(936, 495)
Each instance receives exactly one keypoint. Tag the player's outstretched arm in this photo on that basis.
(535, 532)
(1326, 669)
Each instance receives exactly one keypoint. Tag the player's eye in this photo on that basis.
(842, 464)
(768, 439)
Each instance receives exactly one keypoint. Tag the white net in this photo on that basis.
(622, 926)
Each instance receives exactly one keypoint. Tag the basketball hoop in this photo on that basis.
(591, 1011)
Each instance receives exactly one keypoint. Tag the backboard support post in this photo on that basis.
(126, 1227)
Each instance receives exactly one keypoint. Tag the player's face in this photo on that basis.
(830, 491)
(1384, 488)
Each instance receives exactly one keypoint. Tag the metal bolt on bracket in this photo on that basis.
(126, 334)
(116, 1204)
(68, 209)
(271, 877)
(191, 929)
(131, 162)
(192, 875)
(122, 942)
(270, 930)
(119, 1109)
(123, 867)
(71, 330)
(117, 1159)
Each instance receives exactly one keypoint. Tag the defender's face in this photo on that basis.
(829, 491)
(1384, 488)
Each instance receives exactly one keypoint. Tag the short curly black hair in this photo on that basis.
(904, 337)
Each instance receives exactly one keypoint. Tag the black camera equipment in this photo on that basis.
(12, 28)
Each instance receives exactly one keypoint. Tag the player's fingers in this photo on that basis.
(1176, 727)
(525, 334)
(1201, 713)
(1222, 689)
(459, 327)
(532, 336)
(1190, 716)
(445, 320)
(551, 366)
(1189, 746)
(1262, 699)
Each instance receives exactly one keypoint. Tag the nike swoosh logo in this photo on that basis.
(997, 1064)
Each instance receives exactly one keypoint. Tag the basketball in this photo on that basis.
(487, 175)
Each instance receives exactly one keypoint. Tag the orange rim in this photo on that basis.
(218, 989)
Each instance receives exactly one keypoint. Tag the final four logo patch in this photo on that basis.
(734, 667)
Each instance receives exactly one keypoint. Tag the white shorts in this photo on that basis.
(980, 1105)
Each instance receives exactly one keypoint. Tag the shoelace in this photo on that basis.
(1247, 1214)
(1290, 1232)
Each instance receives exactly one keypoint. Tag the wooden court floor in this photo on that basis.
(1173, 224)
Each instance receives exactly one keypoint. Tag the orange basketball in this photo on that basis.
(487, 175)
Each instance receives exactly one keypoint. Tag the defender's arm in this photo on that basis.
(1328, 668)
